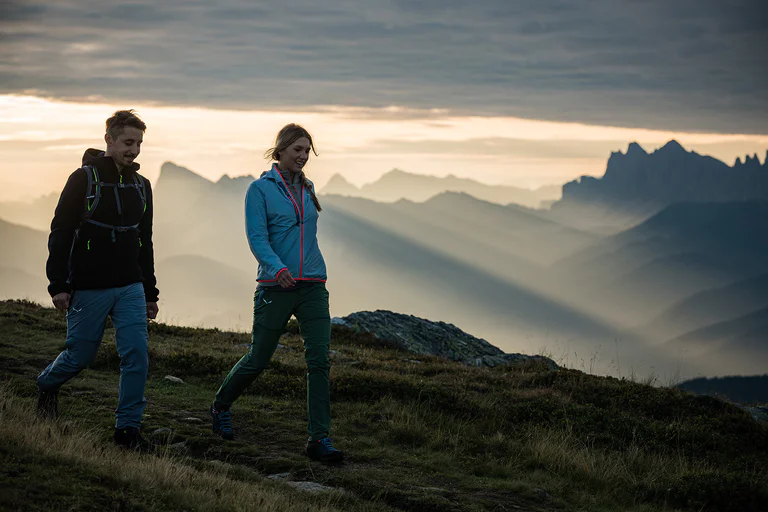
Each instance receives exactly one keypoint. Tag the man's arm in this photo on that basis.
(66, 220)
(146, 251)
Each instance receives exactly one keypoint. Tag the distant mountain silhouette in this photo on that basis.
(23, 248)
(685, 248)
(750, 390)
(23, 252)
(711, 306)
(36, 214)
(398, 184)
(202, 291)
(339, 186)
(18, 284)
(636, 184)
(741, 342)
(515, 275)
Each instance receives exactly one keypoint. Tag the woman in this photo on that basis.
(281, 212)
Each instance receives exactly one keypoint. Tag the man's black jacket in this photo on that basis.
(102, 257)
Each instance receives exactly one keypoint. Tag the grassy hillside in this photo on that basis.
(427, 435)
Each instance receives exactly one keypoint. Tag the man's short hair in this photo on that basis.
(122, 118)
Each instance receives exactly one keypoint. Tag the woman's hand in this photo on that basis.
(286, 279)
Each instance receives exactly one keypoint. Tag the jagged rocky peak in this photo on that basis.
(751, 161)
(421, 336)
(172, 171)
(635, 149)
(338, 179)
(672, 147)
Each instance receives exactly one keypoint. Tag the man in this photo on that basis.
(100, 264)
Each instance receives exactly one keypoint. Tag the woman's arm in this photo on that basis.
(258, 235)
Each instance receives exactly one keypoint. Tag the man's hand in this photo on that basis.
(152, 310)
(61, 301)
(286, 279)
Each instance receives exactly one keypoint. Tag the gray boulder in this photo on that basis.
(421, 336)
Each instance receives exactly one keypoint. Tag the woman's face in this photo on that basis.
(294, 157)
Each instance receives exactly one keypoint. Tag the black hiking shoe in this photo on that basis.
(322, 450)
(222, 423)
(130, 438)
(47, 404)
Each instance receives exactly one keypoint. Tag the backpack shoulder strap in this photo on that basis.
(138, 180)
(92, 191)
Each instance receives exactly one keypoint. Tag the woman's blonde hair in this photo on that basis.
(287, 135)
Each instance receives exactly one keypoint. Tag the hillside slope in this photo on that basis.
(421, 433)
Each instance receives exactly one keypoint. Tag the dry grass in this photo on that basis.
(166, 478)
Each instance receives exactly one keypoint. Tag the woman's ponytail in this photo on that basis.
(308, 186)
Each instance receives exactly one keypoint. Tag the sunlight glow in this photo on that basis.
(41, 141)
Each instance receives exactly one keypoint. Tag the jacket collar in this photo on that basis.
(274, 174)
(104, 163)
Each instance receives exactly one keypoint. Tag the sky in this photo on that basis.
(522, 93)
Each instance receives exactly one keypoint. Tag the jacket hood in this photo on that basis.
(92, 154)
(95, 156)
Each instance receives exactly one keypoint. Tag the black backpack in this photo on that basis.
(93, 196)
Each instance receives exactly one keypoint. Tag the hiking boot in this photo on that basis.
(222, 423)
(130, 438)
(47, 404)
(322, 450)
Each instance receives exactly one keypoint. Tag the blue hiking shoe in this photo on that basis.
(322, 450)
(222, 423)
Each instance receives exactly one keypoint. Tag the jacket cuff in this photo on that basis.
(57, 288)
(280, 272)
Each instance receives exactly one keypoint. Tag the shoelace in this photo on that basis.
(224, 421)
(327, 444)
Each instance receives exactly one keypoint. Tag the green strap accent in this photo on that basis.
(88, 245)
(96, 195)
(140, 244)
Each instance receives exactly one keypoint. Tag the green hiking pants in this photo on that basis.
(271, 312)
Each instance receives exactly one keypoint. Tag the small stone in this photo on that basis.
(332, 352)
(175, 380)
(279, 476)
(434, 489)
(313, 487)
(354, 363)
(162, 432)
(177, 446)
(191, 420)
(281, 346)
(414, 361)
(81, 393)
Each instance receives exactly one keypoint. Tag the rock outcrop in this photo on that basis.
(421, 336)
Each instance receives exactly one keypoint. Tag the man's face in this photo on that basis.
(126, 147)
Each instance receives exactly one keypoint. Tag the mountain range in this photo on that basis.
(637, 184)
(398, 184)
(688, 277)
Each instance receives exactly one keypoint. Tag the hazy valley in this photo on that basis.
(658, 267)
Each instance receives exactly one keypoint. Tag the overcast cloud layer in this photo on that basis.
(688, 65)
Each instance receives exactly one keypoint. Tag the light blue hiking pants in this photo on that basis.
(86, 320)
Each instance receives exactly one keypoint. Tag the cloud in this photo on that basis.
(686, 65)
